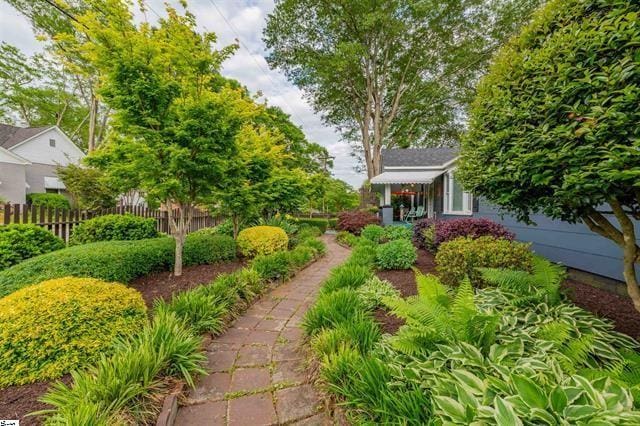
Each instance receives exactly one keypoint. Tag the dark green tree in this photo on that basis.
(393, 73)
(555, 127)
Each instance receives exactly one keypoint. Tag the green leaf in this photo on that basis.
(450, 408)
(504, 414)
(530, 393)
(580, 412)
(558, 399)
(469, 381)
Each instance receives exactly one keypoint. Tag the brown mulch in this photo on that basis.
(18, 401)
(163, 285)
(405, 281)
(605, 304)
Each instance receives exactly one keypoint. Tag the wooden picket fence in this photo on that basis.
(61, 221)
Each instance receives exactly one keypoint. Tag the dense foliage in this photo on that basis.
(346, 238)
(460, 257)
(281, 265)
(50, 201)
(509, 354)
(396, 232)
(555, 126)
(372, 233)
(120, 261)
(49, 329)
(121, 386)
(396, 254)
(19, 242)
(260, 240)
(356, 220)
(113, 227)
(321, 224)
(430, 233)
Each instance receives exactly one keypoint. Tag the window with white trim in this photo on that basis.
(456, 201)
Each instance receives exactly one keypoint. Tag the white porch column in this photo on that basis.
(387, 194)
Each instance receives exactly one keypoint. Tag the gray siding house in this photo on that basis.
(29, 157)
(423, 180)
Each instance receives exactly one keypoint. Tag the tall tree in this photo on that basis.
(390, 73)
(38, 91)
(170, 128)
(55, 22)
(555, 128)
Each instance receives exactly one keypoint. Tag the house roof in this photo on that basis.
(418, 157)
(11, 136)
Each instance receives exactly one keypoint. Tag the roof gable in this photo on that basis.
(11, 136)
(418, 157)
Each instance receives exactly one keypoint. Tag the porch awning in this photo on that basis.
(53, 183)
(406, 177)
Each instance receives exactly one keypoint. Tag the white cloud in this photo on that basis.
(230, 20)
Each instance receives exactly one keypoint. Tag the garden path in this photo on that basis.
(258, 374)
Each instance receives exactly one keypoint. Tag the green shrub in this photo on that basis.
(374, 290)
(120, 261)
(259, 240)
(51, 328)
(301, 256)
(397, 232)
(360, 334)
(332, 309)
(123, 385)
(397, 254)
(273, 266)
(288, 226)
(20, 242)
(347, 275)
(317, 245)
(113, 227)
(461, 257)
(202, 249)
(53, 201)
(373, 233)
(333, 223)
(321, 224)
(346, 238)
(225, 228)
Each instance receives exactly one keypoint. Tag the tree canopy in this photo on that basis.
(393, 73)
(555, 127)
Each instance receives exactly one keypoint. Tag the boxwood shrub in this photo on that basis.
(259, 240)
(113, 227)
(321, 224)
(53, 201)
(120, 261)
(372, 233)
(56, 326)
(20, 242)
(397, 254)
(463, 256)
(396, 232)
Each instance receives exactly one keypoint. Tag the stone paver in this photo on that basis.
(257, 370)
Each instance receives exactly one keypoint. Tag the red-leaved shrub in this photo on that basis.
(354, 221)
(447, 230)
(430, 233)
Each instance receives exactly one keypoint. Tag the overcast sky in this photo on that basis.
(229, 19)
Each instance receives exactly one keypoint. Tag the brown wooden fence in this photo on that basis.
(62, 221)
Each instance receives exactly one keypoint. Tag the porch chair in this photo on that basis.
(415, 214)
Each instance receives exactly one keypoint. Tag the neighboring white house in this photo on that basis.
(29, 157)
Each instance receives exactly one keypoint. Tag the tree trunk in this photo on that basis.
(236, 226)
(177, 266)
(93, 119)
(625, 238)
(179, 227)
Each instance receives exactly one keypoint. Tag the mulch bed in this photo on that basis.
(605, 304)
(163, 285)
(405, 281)
(17, 401)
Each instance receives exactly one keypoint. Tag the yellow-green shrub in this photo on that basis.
(262, 240)
(462, 256)
(51, 328)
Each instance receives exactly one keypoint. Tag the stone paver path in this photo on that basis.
(257, 367)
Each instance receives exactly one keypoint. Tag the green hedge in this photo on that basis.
(20, 242)
(114, 227)
(120, 261)
(321, 224)
(54, 201)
